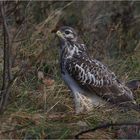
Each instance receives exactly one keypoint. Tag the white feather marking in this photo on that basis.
(81, 70)
(70, 36)
(82, 77)
(76, 49)
(87, 69)
(69, 30)
(72, 50)
(82, 64)
(85, 79)
(91, 77)
(96, 83)
(108, 82)
(99, 83)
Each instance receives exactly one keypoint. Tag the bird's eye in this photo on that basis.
(67, 32)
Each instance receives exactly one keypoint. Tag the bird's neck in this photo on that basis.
(71, 49)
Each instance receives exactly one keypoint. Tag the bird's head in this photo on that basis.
(66, 33)
(70, 42)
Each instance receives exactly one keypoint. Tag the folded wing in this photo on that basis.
(95, 77)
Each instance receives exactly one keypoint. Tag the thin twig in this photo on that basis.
(7, 36)
(6, 74)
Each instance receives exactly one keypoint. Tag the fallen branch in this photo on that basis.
(105, 126)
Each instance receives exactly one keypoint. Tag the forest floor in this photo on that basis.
(43, 109)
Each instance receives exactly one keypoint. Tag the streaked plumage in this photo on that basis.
(91, 82)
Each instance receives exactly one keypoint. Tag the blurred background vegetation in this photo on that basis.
(39, 104)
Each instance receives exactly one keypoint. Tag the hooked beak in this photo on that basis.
(59, 34)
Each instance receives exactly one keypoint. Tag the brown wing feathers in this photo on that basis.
(94, 76)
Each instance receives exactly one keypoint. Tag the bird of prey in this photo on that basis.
(91, 82)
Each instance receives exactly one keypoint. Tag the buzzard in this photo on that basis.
(91, 82)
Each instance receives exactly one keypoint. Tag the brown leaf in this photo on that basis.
(48, 81)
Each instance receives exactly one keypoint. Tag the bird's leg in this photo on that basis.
(78, 107)
(82, 103)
